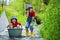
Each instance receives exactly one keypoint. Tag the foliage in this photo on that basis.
(17, 5)
(51, 24)
(1, 10)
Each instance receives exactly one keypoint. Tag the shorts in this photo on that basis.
(28, 25)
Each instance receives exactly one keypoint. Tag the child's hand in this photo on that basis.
(31, 24)
(19, 26)
(33, 18)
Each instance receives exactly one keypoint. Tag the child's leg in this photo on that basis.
(32, 33)
(27, 32)
(27, 26)
(31, 29)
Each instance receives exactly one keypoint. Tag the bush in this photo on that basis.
(51, 24)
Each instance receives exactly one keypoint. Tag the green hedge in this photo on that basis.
(51, 21)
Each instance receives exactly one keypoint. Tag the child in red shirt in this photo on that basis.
(14, 23)
(30, 21)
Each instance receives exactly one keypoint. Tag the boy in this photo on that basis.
(30, 20)
(14, 23)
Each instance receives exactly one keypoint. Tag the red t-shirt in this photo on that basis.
(31, 14)
(15, 24)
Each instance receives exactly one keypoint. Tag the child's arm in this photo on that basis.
(27, 13)
(10, 25)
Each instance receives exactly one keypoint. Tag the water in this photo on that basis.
(4, 36)
(3, 21)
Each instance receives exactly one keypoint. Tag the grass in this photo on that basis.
(1, 10)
